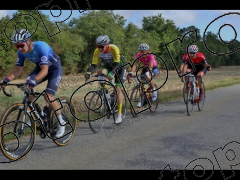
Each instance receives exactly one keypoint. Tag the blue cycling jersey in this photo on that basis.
(42, 54)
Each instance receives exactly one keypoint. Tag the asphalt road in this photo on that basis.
(170, 137)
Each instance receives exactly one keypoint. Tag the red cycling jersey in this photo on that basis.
(200, 59)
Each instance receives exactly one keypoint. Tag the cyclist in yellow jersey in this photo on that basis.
(110, 56)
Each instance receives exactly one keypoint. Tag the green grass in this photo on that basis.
(216, 78)
(172, 95)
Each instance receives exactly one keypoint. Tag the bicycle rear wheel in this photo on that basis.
(135, 99)
(97, 115)
(154, 104)
(201, 103)
(190, 99)
(68, 113)
(17, 138)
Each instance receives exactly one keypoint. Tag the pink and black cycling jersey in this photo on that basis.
(147, 59)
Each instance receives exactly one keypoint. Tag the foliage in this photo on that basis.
(75, 43)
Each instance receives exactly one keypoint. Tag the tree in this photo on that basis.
(166, 32)
(92, 24)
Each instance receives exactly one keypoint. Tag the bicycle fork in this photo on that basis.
(21, 129)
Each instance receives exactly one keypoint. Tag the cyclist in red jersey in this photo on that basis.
(200, 64)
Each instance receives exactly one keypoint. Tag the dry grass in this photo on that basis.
(217, 77)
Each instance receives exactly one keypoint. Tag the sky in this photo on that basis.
(228, 25)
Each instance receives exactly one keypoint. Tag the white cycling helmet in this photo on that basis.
(143, 47)
(20, 35)
(103, 39)
(193, 48)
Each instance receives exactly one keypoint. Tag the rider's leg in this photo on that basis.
(102, 71)
(54, 79)
(152, 86)
(118, 86)
(105, 72)
(199, 76)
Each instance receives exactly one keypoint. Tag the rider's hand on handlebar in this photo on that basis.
(87, 75)
(209, 68)
(4, 82)
(31, 83)
(110, 76)
(130, 74)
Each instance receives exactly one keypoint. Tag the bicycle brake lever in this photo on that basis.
(182, 79)
(9, 95)
(88, 81)
(128, 78)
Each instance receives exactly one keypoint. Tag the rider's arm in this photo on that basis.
(150, 66)
(185, 66)
(95, 61)
(134, 67)
(42, 73)
(181, 67)
(116, 65)
(205, 62)
(92, 68)
(136, 62)
(15, 73)
(116, 58)
(207, 66)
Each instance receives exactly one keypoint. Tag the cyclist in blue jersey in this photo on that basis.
(48, 67)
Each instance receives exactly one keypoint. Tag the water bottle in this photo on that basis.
(197, 93)
(192, 79)
(107, 95)
(39, 110)
(46, 112)
(112, 99)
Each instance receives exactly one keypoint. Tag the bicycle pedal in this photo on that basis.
(42, 135)
(145, 103)
(114, 111)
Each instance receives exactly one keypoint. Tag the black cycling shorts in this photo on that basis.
(54, 78)
(121, 73)
(198, 69)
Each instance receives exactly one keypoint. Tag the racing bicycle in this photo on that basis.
(138, 92)
(191, 93)
(20, 122)
(101, 107)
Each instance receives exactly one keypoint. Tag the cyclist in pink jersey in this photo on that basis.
(148, 61)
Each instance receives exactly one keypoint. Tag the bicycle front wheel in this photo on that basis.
(136, 99)
(190, 99)
(185, 90)
(154, 104)
(97, 114)
(68, 113)
(17, 132)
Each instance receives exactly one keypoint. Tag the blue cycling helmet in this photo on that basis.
(20, 35)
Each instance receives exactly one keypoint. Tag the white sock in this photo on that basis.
(62, 122)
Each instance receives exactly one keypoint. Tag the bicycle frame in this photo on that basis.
(141, 85)
(102, 90)
(192, 79)
(26, 103)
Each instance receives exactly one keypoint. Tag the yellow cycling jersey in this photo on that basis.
(112, 56)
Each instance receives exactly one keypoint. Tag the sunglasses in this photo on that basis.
(20, 45)
(192, 53)
(100, 47)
